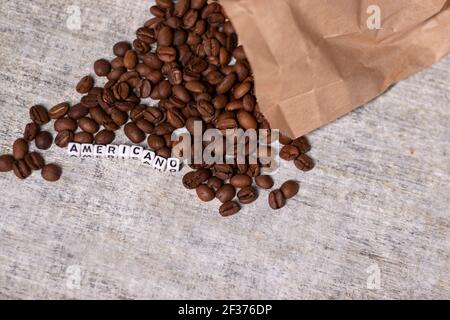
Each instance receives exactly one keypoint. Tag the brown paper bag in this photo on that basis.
(316, 60)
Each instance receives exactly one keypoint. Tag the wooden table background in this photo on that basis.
(377, 201)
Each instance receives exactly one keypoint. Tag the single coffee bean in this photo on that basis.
(176, 118)
(215, 183)
(78, 111)
(34, 161)
(227, 83)
(6, 163)
(85, 85)
(247, 120)
(31, 131)
(119, 117)
(130, 60)
(51, 172)
(194, 179)
(165, 37)
(20, 149)
(205, 193)
(88, 125)
(164, 152)
(285, 140)
(302, 144)
(144, 89)
(304, 163)
(247, 195)
(90, 101)
(65, 124)
(44, 140)
(277, 200)
(102, 67)
(21, 169)
(181, 7)
(39, 115)
(264, 182)
(229, 208)
(195, 86)
(167, 54)
(289, 153)
(181, 93)
(290, 189)
(133, 133)
(98, 115)
(240, 181)
(242, 89)
(226, 193)
(63, 138)
(105, 137)
(115, 74)
(190, 18)
(83, 137)
(156, 142)
(59, 111)
(121, 48)
(198, 4)
(163, 129)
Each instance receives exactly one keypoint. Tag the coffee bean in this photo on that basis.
(264, 182)
(285, 140)
(242, 89)
(115, 74)
(289, 153)
(226, 84)
(290, 189)
(65, 124)
(195, 87)
(21, 169)
(78, 111)
(304, 163)
(51, 172)
(63, 138)
(194, 179)
(163, 128)
(226, 193)
(215, 183)
(119, 117)
(85, 85)
(34, 161)
(198, 4)
(205, 193)
(229, 208)
(254, 170)
(90, 101)
(31, 131)
(44, 140)
(59, 111)
(167, 54)
(133, 133)
(176, 118)
(144, 89)
(277, 200)
(241, 181)
(164, 152)
(130, 59)
(105, 137)
(6, 163)
(165, 37)
(83, 137)
(121, 48)
(102, 67)
(247, 195)
(302, 145)
(20, 149)
(88, 125)
(98, 115)
(39, 115)
(247, 120)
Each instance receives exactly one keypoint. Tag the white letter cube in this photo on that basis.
(136, 152)
(74, 149)
(112, 151)
(148, 157)
(87, 150)
(99, 150)
(160, 163)
(173, 165)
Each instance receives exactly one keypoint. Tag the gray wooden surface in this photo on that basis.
(378, 199)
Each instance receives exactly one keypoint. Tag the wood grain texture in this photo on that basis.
(380, 194)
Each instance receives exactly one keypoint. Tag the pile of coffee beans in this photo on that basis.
(188, 58)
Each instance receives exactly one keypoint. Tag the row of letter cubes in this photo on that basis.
(147, 157)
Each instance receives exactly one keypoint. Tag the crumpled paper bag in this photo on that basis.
(316, 60)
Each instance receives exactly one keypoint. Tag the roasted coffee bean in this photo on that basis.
(239, 53)
(247, 195)
(145, 125)
(277, 200)
(78, 111)
(63, 138)
(90, 101)
(20, 149)
(39, 115)
(229, 208)
(289, 153)
(164, 152)
(88, 125)
(190, 18)
(157, 11)
(98, 115)
(163, 128)
(198, 4)
(31, 131)
(226, 193)
(165, 37)
(34, 161)
(133, 133)
(240, 181)
(59, 111)
(247, 120)
(65, 124)
(215, 183)
(304, 163)
(156, 142)
(195, 86)
(44, 140)
(130, 59)
(181, 93)
(264, 182)
(154, 115)
(167, 54)
(6, 163)
(227, 83)
(194, 179)
(176, 118)
(121, 48)
(85, 85)
(83, 137)
(242, 89)
(164, 4)
(115, 74)
(109, 124)
(285, 140)
(302, 144)
(144, 89)
(105, 137)
(254, 170)
(290, 189)
(181, 7)
(102, 67)
(119, 117)
(51, 172)
(21, 169)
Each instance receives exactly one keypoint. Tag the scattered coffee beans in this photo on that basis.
(264, 182)
(59, 111)
(39, 115)
(229, 208)
(34, 161)
(6, 163)
(44, 140)
(51, 172)
(277, 200)
(21, 169)
(290, 189)
(205, 193)
(20, 149)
